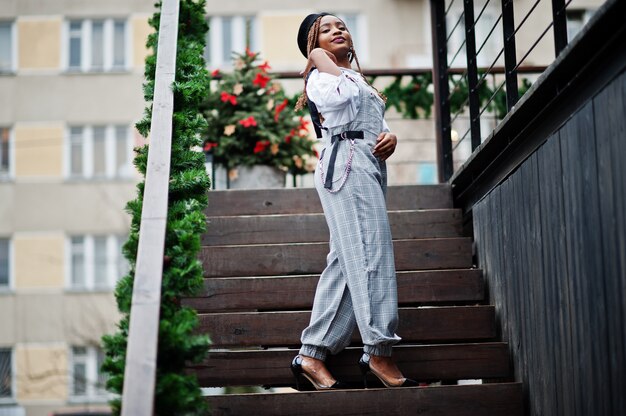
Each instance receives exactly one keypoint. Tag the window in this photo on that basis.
(87, 381)
(229, 34)
(99, 152)
(7, 47)
(490, 43)
(122, 264)
(96, 262)
(426, 173)
(97, 45)
(5, 152)
(78, 262)
(576, 19)
(488, 40)
(100, 269)
(6, 375)
(357, 27)
(4, 262)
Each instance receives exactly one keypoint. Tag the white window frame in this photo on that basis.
(492, 47)
(112, 258)
(586, 15)
(86, 52)
(121, 266)
(360, 36)
(111, 172)
(494, 43)
(238, 29)
(11, 173)
(11, 283)
(14, 55)
(11, 399)
(425, 58)
(456, 40)
(91, 374)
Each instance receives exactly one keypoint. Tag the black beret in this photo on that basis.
(303, 32)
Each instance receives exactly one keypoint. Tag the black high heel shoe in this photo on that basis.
(298, 371)
(364, 365)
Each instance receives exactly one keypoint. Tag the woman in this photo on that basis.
(357, 289)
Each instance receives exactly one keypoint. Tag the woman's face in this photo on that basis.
(334, 36)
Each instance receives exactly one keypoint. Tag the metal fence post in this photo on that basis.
(510, 60)
(472, 72)
(442, 90)
(560, 26)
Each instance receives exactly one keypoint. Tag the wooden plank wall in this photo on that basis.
(551, 240)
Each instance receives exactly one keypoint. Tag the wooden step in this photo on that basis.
(284, 328)
(306, 200)
(422, 362)
(299, 228)
(310, 258)
(297, 292)
(502, 399)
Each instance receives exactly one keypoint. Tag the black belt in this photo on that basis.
(331, 162)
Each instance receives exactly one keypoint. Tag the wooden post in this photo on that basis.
(141, 354)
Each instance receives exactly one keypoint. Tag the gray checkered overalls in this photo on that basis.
(358, 286)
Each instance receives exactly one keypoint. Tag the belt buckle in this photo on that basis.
(343, 135)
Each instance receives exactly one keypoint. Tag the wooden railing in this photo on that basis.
(140, 371)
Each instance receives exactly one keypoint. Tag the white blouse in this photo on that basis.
(336, 96)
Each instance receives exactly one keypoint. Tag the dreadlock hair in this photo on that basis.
(312, 44)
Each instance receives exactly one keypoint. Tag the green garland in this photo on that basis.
(176, 393)
(414, 99)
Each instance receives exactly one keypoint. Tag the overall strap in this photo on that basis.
(315, 115)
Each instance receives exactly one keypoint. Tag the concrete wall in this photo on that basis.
(40, 316)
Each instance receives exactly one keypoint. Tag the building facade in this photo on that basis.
(70, 92)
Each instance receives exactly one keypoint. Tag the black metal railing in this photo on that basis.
(470, 14)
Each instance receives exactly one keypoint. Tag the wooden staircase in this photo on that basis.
(262, 256)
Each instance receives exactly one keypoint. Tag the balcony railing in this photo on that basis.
(503, 27)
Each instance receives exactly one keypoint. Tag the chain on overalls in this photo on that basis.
(357, 289)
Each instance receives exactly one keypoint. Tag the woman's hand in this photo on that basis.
(385, 145)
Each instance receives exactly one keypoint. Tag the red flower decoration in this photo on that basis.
(265, 66)
(248, 122)
(250, 53)
(304, 126)
(215, 73)
(209, 145)
(225, 97)
(261, 80)
(261, 146)
(279, 108)
(290, 136)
